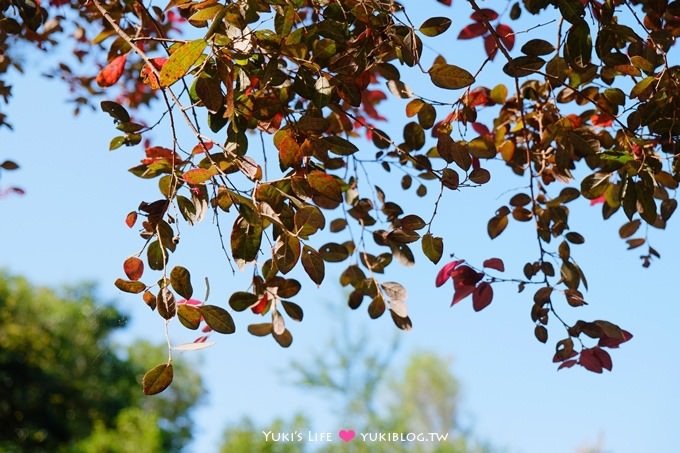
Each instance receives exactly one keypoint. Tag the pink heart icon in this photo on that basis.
(347, 434)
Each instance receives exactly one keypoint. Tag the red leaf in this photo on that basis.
(130, 219)
(261, 306)
(608, 342)
(202, 147)
(147, 75)
(110, 74)
(481, 129)
(604, 358)
(156, 153)
(567, 364)
(597, 200)
(490, 47)
(465, 276)
(190, 302)
(472, 31)
(495, 264)
(446, 2)
(461, 293)
(133, 268)
(445, 272)
(484, 14)
(482, 296)
(602, 120)
(590, 361)
(202, 339)
(507, 36)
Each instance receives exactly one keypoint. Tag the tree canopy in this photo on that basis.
(66, 392)
(588, 113)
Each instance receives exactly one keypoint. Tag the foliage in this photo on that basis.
(77, 392)
(589, 114)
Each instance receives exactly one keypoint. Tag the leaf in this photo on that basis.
(394, 291)
(157, 379)
(377, 307)
(112, 72)
(189, 316)
(507, 35)
(284, 340)
(293, 310)
(241, 300)
(433, 247)
(333, 253)
(193, 346)
(435, 26)
(133, 268)
(308, 220)
(450, 179)
(450, 77)
(218, 319)
(412, 222)
(130, 286)
(340, 146)
(327, 185)
(165, 303)
(116, 111)
(523, 66)
(495, 264)
(180, 279)
(199, 175)
(629, 229)
(445, 272)
(541, 334)
(181, 61)
(313, 264)
(260, 330)
(537, 48)
(473, 30)
(286, 253)
(497, 225)
(482, 296)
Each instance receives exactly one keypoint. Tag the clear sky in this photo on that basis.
(69, 228)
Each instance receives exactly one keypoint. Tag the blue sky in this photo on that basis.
(69, 228)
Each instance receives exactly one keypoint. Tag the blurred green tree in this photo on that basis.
(369, 395)
(66, 386)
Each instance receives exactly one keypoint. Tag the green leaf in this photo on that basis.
(450, 77)
(340, 146)
(180, 279)
(157, 379)
(130, 286)
(241, 300)
(538, 47)
(218, 319)
(154, 256)
(245, 240)
(181, 61)
(189, 316)
(435, 26)
(433, 247)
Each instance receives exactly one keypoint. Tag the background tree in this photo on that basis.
(369, 394)
(594, 106)
(67, 386)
